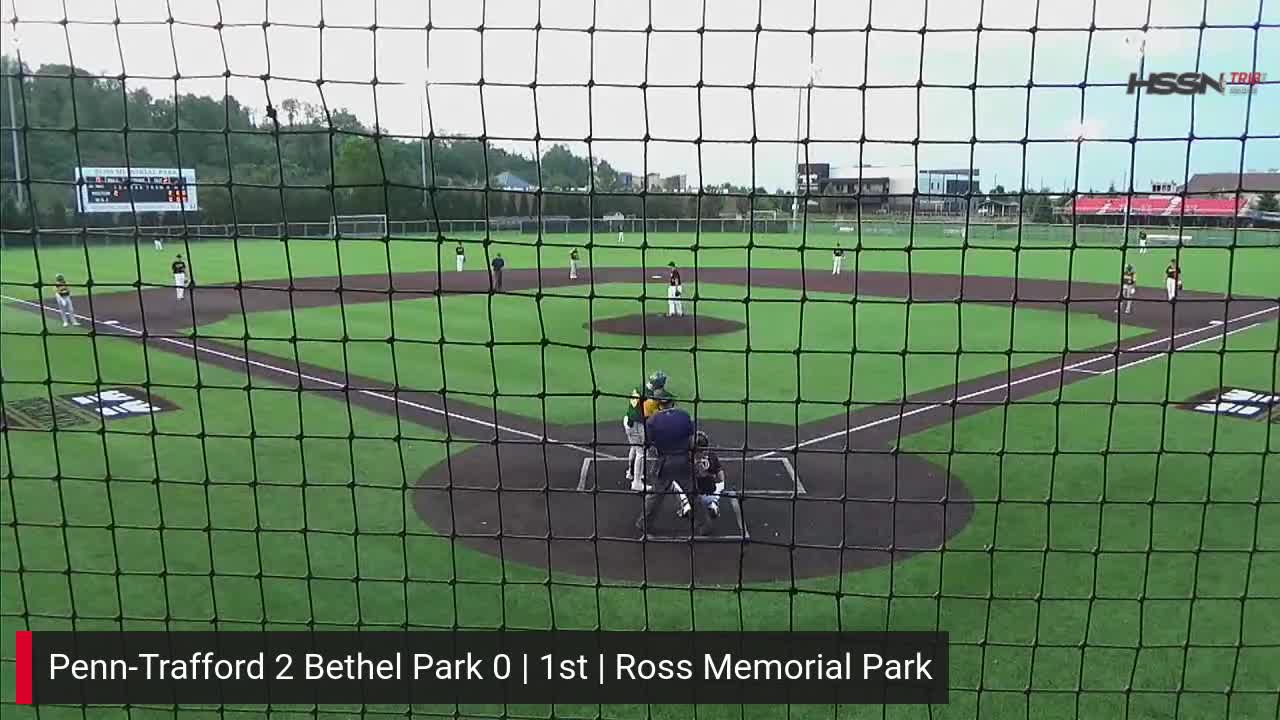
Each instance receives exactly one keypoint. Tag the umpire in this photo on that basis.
(671, 432)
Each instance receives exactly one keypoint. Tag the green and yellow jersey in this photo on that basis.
(636, 406)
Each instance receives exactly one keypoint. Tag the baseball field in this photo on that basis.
(969, 436)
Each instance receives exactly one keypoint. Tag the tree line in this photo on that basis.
(296, 162)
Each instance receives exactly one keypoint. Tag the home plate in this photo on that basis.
(110, 322)
(656, 277)
(1215, 322)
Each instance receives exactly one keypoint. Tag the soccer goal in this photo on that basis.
(358, 226)
(765, 221)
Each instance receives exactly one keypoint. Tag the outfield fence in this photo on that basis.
(821, 232)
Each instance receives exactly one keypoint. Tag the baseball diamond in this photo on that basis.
(932, 320)
(531, 498)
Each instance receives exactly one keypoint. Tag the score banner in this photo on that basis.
(510, 667)
(119, 189)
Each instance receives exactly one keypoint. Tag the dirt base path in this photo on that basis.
(813, 500)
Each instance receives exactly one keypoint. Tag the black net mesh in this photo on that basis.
(357, 296)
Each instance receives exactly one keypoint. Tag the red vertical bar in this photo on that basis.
(22, 648)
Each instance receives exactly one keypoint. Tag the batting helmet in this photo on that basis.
(663, 398)
(701, 440)
(658, 380)
(1128, 268)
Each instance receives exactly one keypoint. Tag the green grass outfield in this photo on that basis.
(1119, 546)
(1247, 269)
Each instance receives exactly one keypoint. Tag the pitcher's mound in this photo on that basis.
(657, 325)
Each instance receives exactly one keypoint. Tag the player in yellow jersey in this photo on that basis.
(640, 406)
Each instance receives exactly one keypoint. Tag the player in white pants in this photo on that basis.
(573, 264)
(66, 309)
(1142, 242)
(1172, 279)
(837, 260)
(674, 290)
(1128, 288)
(643, 402)
(180, 283)
(159, 243)
(460, 256)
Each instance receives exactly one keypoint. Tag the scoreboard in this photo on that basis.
(117, 189)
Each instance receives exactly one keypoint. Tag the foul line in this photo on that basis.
(1048, 373)
(117, 325)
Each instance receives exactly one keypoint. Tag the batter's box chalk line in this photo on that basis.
(730, 496)
(798, 489)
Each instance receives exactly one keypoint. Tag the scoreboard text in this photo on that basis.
(136, 190)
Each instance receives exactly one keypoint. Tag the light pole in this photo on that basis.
(424, 109)
(814, 73)
(13, 112)
(422, 141)
(1141, 51)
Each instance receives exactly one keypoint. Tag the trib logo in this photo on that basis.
(1167, 83)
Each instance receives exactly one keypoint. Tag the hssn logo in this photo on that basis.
(1167, 83)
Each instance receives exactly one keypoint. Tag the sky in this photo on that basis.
(806, 84)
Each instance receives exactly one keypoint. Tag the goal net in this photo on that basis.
(928, 418)
(358, 226)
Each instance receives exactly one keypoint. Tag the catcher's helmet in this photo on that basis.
(658, 380)
(701, 440)
(663, 398)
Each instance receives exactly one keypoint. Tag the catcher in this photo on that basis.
(708, 478)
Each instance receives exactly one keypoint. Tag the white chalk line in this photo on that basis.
(813, 441)
(117, 325)
(1048, 373)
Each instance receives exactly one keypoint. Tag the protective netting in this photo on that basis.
(900, 317)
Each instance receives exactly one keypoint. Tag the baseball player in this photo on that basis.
(158, 242)
(1142, 242)
(180, 281)
(573, 264)
(1128, 287)
(674, 290)
(1172, 279)
(708, 478)
(837, 259)
(497, 265)
(66, 310)
(459, 256)
(671, 433)
(638, 410)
